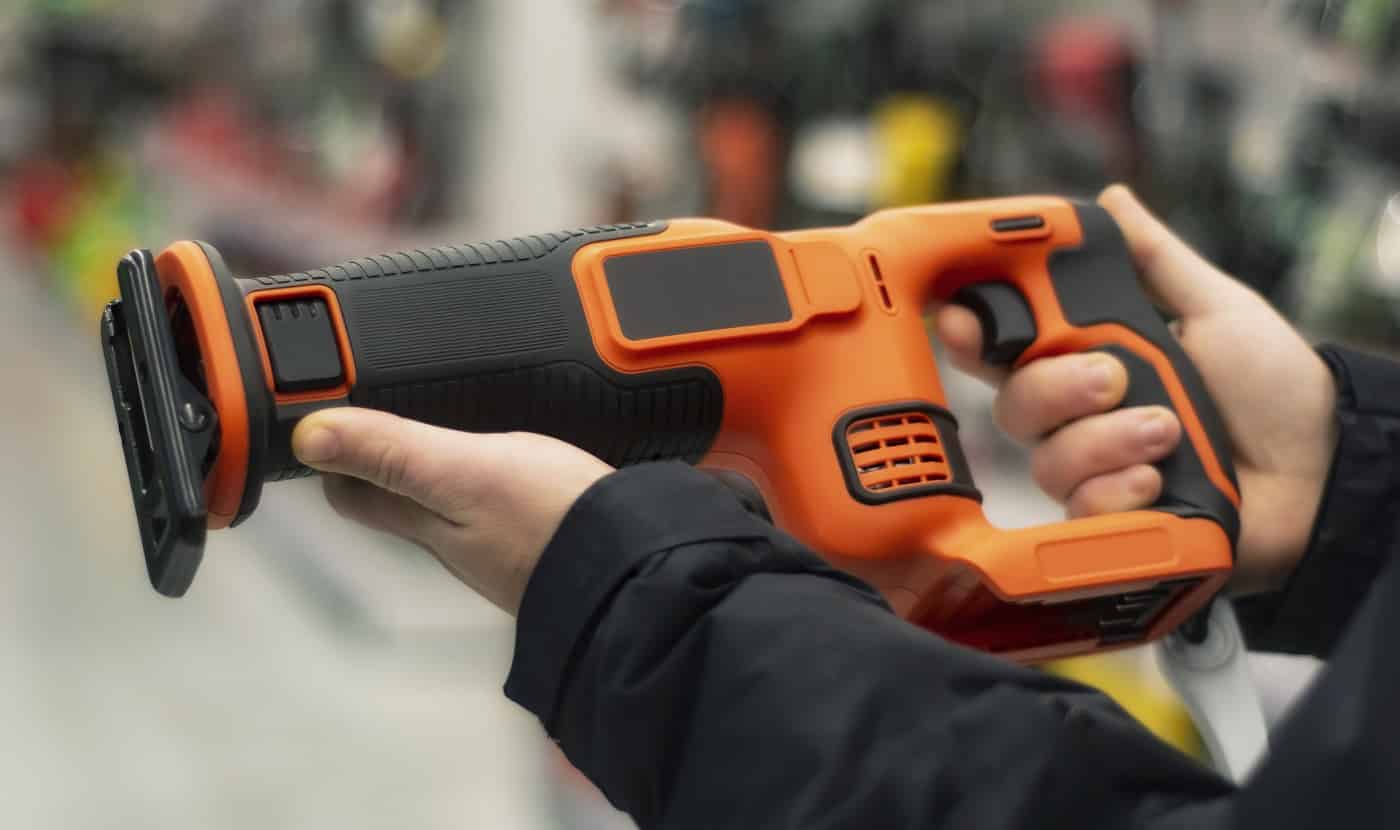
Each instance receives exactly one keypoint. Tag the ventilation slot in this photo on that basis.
(892, 452)
(885, 301)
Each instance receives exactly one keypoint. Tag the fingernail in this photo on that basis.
(1101, 375)
(317, 445)
(1155, 431)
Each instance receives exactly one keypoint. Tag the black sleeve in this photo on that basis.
(1356, 530)
(707, 671)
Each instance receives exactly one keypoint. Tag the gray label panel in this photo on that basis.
(663, 293)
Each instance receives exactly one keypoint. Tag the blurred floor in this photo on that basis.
(257, 700)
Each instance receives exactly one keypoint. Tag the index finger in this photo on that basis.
(960, 332)
(1170, 268)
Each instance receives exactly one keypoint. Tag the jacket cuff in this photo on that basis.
(1356, 525)
(613, 528)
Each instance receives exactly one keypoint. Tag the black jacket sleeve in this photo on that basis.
(1358, 524)
(706, 671)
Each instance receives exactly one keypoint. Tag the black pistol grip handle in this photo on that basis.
(1100, 305)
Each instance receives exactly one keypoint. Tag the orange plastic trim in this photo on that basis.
(342, 342)
(184, 268)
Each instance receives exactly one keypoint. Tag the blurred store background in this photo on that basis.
(321, 677)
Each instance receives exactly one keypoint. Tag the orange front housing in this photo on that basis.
(856, 338)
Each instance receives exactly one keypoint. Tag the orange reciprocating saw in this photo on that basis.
(799, 361)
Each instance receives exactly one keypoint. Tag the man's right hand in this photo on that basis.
(1275, 394)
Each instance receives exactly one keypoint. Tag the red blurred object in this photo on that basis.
(1085, 71)
(211, 137)
(741, 145)
(44, 194)
(1086, 67)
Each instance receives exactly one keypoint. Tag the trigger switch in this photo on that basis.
(1008, 327)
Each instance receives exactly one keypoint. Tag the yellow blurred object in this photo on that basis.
(919, 138)
(1122, 678)
(87, 267)
(100, 232)
(409, 38)
(416, 58)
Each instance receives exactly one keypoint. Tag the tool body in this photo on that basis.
(798, 361)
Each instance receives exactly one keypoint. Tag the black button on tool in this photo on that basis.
(301, 344)
(1011, 224)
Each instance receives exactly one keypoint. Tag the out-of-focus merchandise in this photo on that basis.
(338, 107)
(1347, 280)
(1370, 29)
(816, 111)
(886, 102)
(846, 105)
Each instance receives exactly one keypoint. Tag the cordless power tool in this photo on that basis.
(796, 362)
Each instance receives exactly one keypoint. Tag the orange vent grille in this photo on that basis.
(896, 451)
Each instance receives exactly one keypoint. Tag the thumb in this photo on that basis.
(405, 457)
(1171, 269)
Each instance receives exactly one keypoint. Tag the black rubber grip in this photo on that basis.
(1186, 490)
(1097, 283)
(621, 424)
(492, 337)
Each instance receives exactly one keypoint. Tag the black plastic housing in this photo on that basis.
(166, 426)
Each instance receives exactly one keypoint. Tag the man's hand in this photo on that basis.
(1275, 394)
(485, 505)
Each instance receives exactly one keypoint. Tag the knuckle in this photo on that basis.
(1036, 400)
(1047, 472)
(1095, 499)
(1079, 504)
(1017, 409)
(389, 466)
(1100, 494)
(455, 497)
(1108, 444)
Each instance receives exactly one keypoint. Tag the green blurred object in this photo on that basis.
(1368, 26)
(110, 218)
